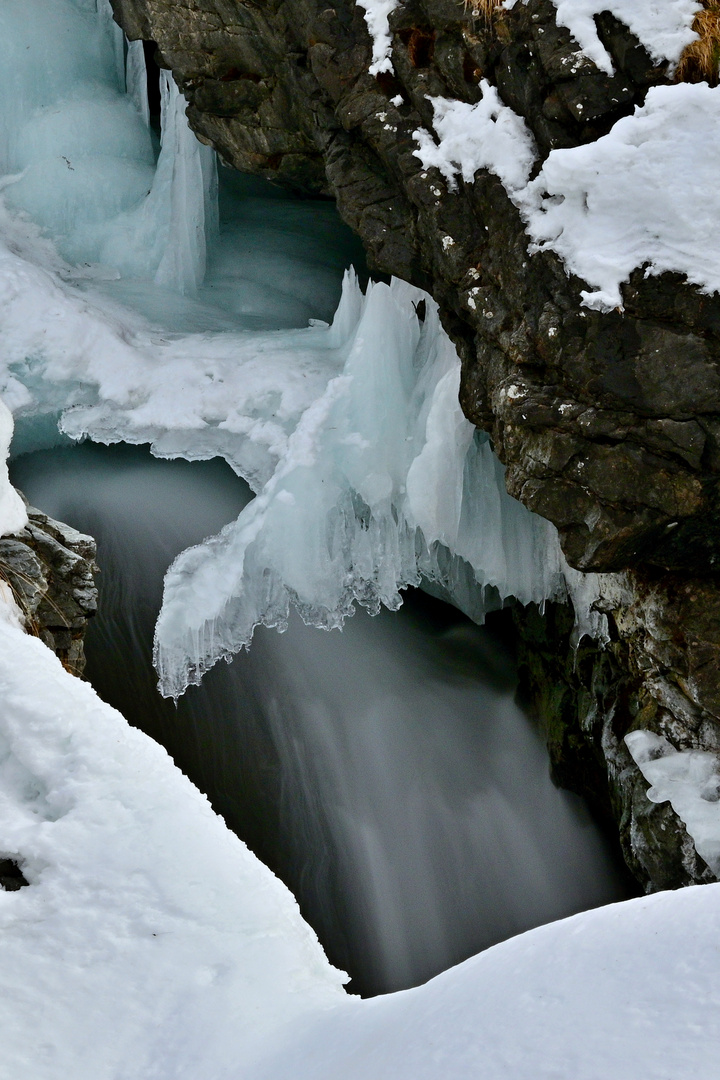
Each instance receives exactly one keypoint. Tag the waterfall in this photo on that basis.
(384, 771)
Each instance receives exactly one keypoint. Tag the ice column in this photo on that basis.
(117, 40)
(136, 78)
(186, 180)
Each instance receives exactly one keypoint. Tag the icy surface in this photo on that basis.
(663, 26)
(644, 194)
(352, 434)
(690, 781)
(377, 13)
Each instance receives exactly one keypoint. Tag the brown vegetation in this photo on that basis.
(701, 58)
(487, 9)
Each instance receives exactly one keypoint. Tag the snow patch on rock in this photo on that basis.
(663, 27)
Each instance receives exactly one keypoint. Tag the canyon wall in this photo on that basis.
(608, 422)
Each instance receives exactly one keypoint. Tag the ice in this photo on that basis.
(664, 28)
(690, 781)
(136, 77)
(382, 484)
(352, 435)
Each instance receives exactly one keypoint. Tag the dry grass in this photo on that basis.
(486, 9)
(700, 61)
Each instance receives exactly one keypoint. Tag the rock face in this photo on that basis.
(609, 424)
(50, 569)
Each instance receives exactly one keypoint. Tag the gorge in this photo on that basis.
(385, 772)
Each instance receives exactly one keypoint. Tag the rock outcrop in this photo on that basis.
(608, 423)
(50, 569)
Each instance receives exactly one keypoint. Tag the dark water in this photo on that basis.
(385, 772)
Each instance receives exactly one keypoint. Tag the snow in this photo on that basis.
(645, 193)
(151, 945)
(663, 26)
(690, 781)
(149, 942)
(377, 13)
(13, 515)
(487, 135)
(642, 195)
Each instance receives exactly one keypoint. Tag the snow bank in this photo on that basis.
(150, 942)
(151, 945)
(664, 27)
(628, 991)
(644, 194)
(690, 781)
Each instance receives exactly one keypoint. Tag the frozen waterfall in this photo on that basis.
(369, 478)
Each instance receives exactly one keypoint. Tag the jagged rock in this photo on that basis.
(50, 568)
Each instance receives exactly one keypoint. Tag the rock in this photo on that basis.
(50, 568)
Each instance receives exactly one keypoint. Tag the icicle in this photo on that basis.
(117, 39)
(383, 482)
(136, 78)
(187, 172)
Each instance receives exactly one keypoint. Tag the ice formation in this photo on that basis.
(690, 781)
(12, 509)
(368, 476)
(383, 483)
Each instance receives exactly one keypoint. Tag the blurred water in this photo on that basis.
(385, 772)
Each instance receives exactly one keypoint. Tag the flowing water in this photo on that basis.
(384, 771)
